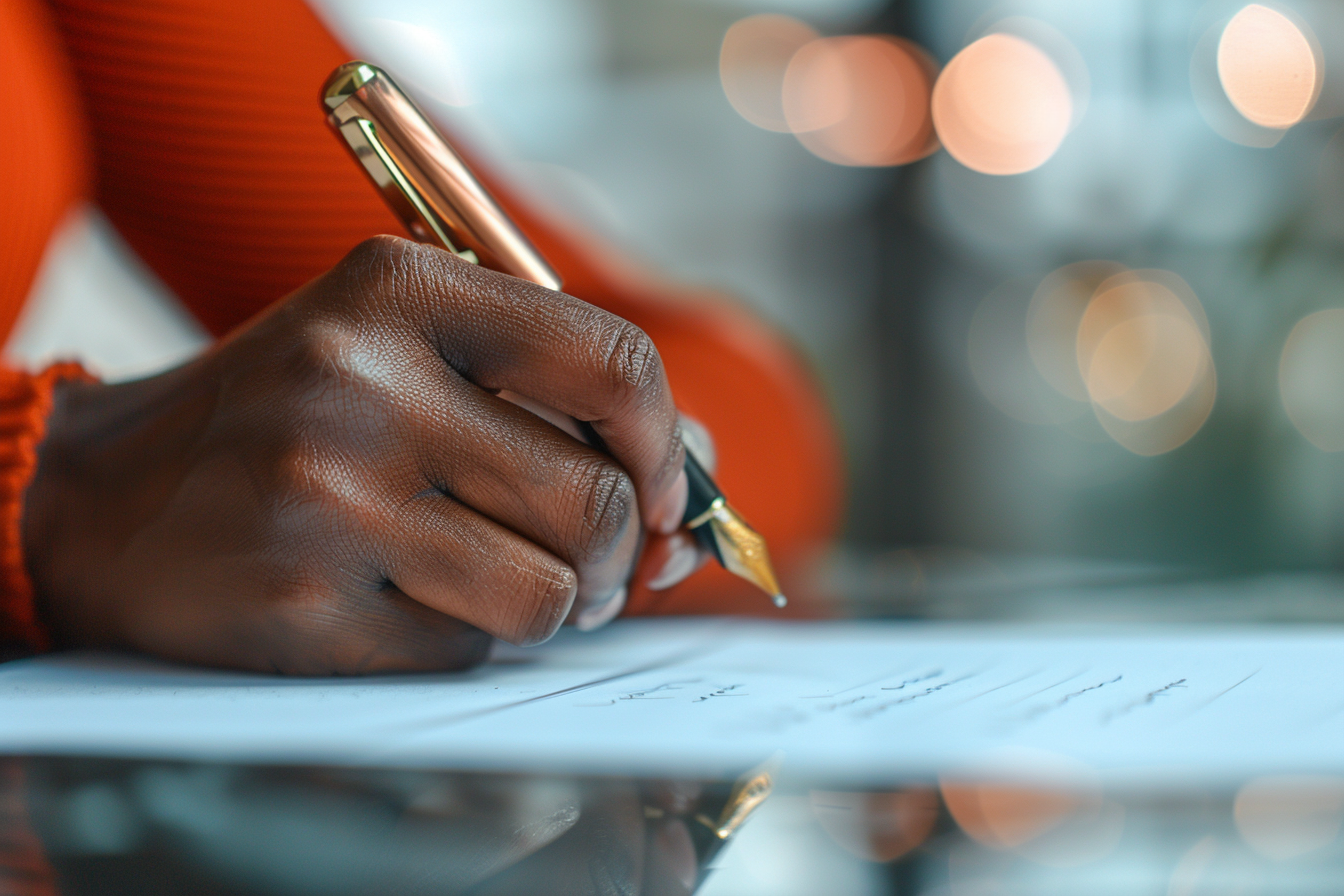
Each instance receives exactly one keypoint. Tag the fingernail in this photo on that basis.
(680, 563)
(674, 506)
(697, 440)
(597, 615)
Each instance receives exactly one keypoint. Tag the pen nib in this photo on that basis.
(780, 601)
(744, 553)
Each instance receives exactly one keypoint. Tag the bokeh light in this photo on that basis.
(1066, 57)
(1045, 807)
(1283, 817)
(1269, 66)
(878, 826)
(1056, 309)
(1169, 431)
(1055, 826)
(1144, 359)
(861, 101)
(752, 61)
(1311, 378)
(1144, 364)
(1007, 815)
(1130, 348)
(817, 90)
(1002, 106)
(1206, 88)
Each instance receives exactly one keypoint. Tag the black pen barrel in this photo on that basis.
(701, 496)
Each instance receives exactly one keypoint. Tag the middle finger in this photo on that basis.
(540, 482)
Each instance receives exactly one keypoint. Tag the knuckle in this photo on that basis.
(295, 472)
(315, 505)
(633, 364)
(379, 252)
(303, 478)
(323, 348)
(604, 508)
(549, 593)
(343, 384)
(384, 274)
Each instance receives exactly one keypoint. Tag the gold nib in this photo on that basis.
(743, 551)
(748, 793)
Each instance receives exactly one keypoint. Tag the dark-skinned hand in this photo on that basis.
(339, 487)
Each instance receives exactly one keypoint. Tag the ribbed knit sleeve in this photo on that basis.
(25, 402)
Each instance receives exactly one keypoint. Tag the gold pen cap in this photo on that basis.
(423, 180)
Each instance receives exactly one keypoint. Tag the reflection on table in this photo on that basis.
(73, 826)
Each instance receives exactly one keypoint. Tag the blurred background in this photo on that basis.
(1069, 272)
(1071, 275)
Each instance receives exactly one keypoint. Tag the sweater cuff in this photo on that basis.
(25, 403)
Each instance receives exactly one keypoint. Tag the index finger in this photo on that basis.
(500, 332)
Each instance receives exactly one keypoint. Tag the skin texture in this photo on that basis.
(336, 487)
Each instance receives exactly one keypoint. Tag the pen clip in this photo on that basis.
(372, 151)
(424, 180)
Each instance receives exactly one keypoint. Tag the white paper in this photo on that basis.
(860, 701)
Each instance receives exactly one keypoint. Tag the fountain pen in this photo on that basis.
(431, 189)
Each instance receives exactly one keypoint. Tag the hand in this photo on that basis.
(337, 487)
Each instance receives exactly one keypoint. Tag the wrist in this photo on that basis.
(26, 403)
(40, 519)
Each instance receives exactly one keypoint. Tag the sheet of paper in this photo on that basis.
(861, 701)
